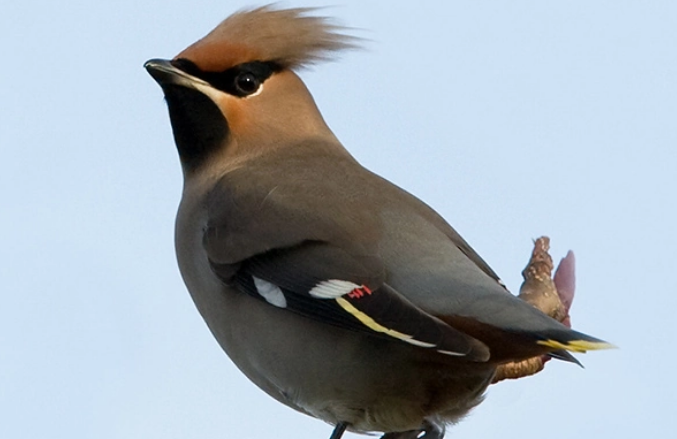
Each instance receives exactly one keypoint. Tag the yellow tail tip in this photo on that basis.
(580, 346)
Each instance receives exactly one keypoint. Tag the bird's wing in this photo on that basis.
(341, 245)
(319, 260)
(468, 251)
(325, 282)
(437, 270)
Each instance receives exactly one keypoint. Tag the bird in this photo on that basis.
(336, 292)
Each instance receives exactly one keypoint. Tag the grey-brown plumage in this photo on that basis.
(336, 292)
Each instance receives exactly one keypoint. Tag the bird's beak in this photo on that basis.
(165, 73)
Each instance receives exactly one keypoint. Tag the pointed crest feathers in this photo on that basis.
(292, 38)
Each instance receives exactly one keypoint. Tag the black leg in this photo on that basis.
(411, 434)
(428, 431)
(338, 430)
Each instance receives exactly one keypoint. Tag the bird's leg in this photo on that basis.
(338, 430)
(428, 430)
(552, 296)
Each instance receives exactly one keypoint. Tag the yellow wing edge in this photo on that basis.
(580, 346)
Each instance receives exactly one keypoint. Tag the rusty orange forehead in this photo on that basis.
(217, 56)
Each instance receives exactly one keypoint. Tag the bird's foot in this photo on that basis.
(428, 431)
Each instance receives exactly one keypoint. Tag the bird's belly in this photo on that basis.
(334, 374)
(330, 373)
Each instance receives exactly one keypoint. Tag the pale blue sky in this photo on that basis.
(512, 119)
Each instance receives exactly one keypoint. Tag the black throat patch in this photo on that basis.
(198, 124)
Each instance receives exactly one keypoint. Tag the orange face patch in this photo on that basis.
(239, 113)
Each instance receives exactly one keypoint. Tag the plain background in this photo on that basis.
(512, 119)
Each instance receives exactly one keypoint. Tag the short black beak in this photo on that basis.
(166, 73)
(163, 71)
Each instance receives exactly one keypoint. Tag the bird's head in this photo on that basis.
(235, 91)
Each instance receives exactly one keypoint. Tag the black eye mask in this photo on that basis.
(241, 81)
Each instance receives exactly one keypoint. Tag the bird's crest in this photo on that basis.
(291, 38)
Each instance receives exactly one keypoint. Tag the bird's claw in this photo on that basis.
(429, 430)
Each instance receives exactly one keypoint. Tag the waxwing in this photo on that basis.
(336, 292)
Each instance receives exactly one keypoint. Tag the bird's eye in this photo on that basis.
(247, 83)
